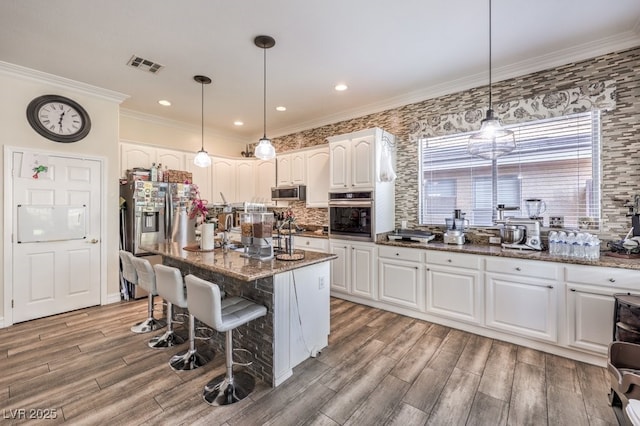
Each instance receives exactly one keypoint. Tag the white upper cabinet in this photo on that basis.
(223, 180)
(174, 160)
(291, 169)
(245, 180)
(352, 159)
(201, 176)
(265, 179)
(132, 156)
(317, 167)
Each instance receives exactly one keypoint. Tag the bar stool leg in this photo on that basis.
(169, 338)
(150, 324)
(228, 388)
(189, 359)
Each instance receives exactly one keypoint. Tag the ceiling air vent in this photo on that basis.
(144, 64)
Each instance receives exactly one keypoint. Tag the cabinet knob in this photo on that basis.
(416, 267)
(611, 280)
(397, 254)
(518, 268)
(573, 289)
(549, 286)
(307, 242)
(449, 260)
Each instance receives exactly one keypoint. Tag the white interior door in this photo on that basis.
(59, 272)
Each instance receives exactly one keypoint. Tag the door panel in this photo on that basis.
(51, 277)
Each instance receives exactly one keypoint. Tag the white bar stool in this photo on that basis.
(206, 304)
(146, 280)
(170, 286)
(128, 270)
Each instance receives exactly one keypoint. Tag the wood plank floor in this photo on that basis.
(86, 367)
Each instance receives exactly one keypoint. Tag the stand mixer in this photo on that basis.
(531, 238)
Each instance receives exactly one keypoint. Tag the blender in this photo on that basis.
(535, 208)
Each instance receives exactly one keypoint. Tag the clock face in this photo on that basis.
(58, 118)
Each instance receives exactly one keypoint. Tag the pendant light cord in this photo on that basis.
(490, 103)
(264, 97)
(202, 117)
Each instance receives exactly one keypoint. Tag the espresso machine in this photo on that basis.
(530, 238)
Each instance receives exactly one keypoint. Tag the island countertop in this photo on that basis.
(233, 264)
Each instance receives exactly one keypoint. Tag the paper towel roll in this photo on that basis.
(206, 237)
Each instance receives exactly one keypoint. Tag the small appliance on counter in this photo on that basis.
(256, 234)
(411, 236)
(521, 234)
(455, 228)
(535, 208)
(500, 212)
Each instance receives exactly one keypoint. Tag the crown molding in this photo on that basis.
(167, 122)
(627, 40)
(61, 82)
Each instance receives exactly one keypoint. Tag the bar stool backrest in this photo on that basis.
(204, 301)
(170, 284)
(146, 276)
(128, 270)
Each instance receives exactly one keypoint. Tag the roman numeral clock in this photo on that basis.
(58, 118)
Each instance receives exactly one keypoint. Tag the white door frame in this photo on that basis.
(8, 225)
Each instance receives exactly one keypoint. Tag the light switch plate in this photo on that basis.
(495, 240)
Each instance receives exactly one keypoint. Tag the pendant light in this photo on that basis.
(492, 141)
(202, 159)
(264, 149)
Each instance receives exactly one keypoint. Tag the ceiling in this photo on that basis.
(389, 53)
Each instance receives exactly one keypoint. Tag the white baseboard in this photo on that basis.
(112, 298)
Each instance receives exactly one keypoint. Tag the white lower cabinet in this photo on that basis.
(590, 304)
(353, 271)
(311, 244)
(521, 297)
(454, 286)
(401, 276)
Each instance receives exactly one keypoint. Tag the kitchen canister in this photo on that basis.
(207, 236)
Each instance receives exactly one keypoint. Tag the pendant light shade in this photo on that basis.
(492, 141)
(264, 149)
(202, 158)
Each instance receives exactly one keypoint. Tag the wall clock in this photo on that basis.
(58, 118)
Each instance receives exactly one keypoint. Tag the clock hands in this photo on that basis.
(60, 121)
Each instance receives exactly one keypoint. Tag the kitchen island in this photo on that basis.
(296, 294)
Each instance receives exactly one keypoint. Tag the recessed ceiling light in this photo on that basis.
(164, 102)
(238, 123)
(281, 108)
(341, 87)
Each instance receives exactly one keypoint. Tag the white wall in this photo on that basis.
(151, 130)
(18, 87)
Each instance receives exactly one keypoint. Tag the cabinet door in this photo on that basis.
(454, 293)
(174, 160)
(298, 170)
(311, 244)
(362, 164)
(201, 177)
(223, 179)
(245, 180)
(339, 165)
(339, 267)
(132, 156)
(590, 317)
(363, 276)
(284, 170)
(520, 305)
(265, 179)
(401, 283)
(317, 166)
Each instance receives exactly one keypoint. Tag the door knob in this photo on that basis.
(93, 241)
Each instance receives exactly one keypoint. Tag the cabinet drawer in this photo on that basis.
(522, 268)
(411, 255)
(312, 244)
(458, 260)
(610, 277)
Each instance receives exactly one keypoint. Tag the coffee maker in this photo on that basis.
(531, 238)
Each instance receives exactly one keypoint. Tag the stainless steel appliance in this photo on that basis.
(521, 233)
(150, 209)
(352, 215)
(256, 230)
(535, 208)
(289, 193)
(455, 228)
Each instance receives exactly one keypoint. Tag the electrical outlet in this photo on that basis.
(494, 240)
(320, 283)
(403, 224)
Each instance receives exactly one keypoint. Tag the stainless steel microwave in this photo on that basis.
(289, 193)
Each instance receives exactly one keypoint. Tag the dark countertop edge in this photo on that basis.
(491, 250)
(265, 271)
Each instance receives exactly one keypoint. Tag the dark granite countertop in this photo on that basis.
(234, 265)
(495, 250)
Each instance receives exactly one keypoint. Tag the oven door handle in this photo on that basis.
(350, 203)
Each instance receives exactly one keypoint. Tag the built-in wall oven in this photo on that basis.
(351, 215)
